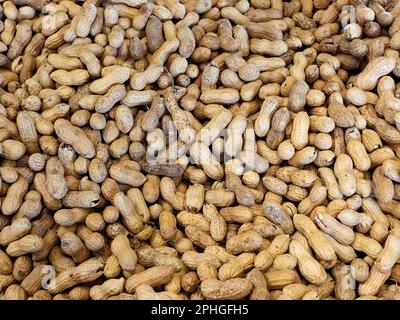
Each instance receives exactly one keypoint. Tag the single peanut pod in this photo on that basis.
(331, 226)
(126, 256)
(375, 69)
(365, 244)
(343, 169)
(297, 96)
(187, 41)
(70, 78)
(198, 236)
(359, 155)
(299, 135)
(15, 194)
(220, 96)
(317, 240)
(151, 189)
(167, 223)
(150, 75)
(68, 217)
(94, 241)
(303, 157)
(6, 265)
(154, 276)
(170, 194)
(315, 198)
(247, 241)
(25, 245)
(302, 178)
(127, 210)
(107, 289)
(232, 289)
(137, 197)
(235, 131)
(12, 149)
(274, 212)
(310, 268)
(118, 75)
(267, 47)
(56, 184)
(114, 94)
(27, 131)
(278, 279)
(278, 246)
(217, 223)
(359, 270)
(236, 267)
(74, 136)
(384, 187)
(390, 169)
(194, 197)
(340, 115)
(260, 289)
(81, 199)
(238, 214)
(389, 255)
(127, 172)
(262, 123)
(161, 55)
(284, 261)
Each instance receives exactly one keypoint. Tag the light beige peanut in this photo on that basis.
(74, 136)
(309, 267)
(117, 75)
(125, 254)
(71, 78)
(389, 255)
(377, 68)
(316, 239)
(27, 244)
(236, 267)
(245, 241)
(214, 289)
(277, 247)
(170, 194)
(316, 197)
(278, 279)
(109, 288)
(331, 226)
(127, 172)
(128, 212)
(154, 276)
(343, 171)
(18, 229)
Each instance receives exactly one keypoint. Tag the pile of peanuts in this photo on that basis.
(199, 149)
